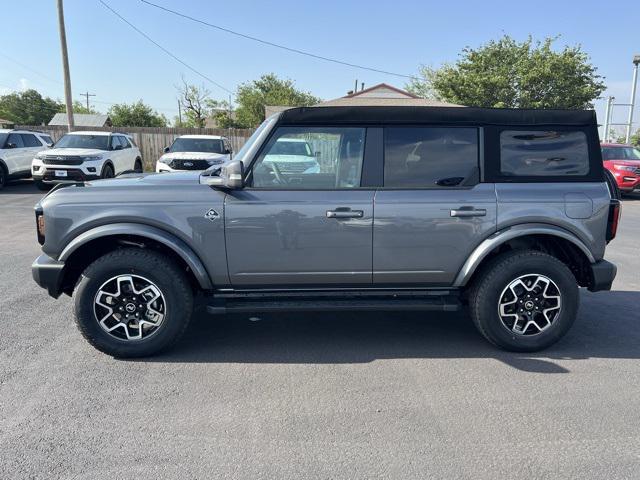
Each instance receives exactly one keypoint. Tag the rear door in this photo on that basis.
(303, 221)
(118, 154)
(432, 211)
(14, 153)
(32, 146)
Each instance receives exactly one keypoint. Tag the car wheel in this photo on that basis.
(524, 300)
(40, 185)
(138, 166)
(3, 176)
(132, 303)
(107, 172)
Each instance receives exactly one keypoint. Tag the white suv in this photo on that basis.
(194, 152)
(17, 149)
(80, 156)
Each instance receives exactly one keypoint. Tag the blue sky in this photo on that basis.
(113, 61)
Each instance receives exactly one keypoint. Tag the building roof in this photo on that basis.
(82, 119)
(323, 115)
(382, 95)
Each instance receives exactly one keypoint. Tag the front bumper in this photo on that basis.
(48, 273)
(73, 175)
(602, 275)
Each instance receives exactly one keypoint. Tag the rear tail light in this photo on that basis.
(614, 219)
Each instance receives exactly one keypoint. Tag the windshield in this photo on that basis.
(97, 142)
(284, 147)
(3, 139)
(197, 145)
(252, 139)
(620, 153)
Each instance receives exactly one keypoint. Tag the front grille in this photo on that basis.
(189, 164)
(295, 167)
(637, 172)
(59, 160)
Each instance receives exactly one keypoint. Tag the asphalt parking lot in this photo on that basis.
(316, 395)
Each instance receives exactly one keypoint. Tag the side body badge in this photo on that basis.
(212, 215)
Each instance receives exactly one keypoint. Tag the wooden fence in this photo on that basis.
(153, 140)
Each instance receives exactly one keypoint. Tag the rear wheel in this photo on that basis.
(524, 301)
(138, 166)
(132, 303)
(107, 172)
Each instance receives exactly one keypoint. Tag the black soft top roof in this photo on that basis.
(434, 115)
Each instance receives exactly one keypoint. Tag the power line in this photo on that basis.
(276, 45)
(164, 49)
(26, 67)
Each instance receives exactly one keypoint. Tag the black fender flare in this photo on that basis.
(177, 245)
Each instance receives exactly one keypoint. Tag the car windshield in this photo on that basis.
(210, 145)
(620, 153)
(97, 142)
(284, 147)
(3, 139)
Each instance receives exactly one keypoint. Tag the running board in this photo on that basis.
(438, 304)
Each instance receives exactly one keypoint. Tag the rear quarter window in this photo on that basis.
(543, 153)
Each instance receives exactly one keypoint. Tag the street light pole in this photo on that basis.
(607, 115)
(634, 84)
(65, 66)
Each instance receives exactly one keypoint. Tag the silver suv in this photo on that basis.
(504, 212)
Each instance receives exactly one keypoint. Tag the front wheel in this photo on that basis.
(107, 172)
(524, 300)
(132, 303)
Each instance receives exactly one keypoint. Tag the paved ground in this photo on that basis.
(316, 396)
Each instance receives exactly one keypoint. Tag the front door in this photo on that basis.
(303, 220)
(431, 212)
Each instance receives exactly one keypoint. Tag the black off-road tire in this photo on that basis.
(137, 166)
(163, 272)
(484, 299)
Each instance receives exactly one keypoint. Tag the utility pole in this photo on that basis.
(179, 112)
(65, 66)
(87, 95)
(634, 84)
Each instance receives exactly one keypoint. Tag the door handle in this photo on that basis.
(468, 212)
(345, 213)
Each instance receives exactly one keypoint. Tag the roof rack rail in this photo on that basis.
(30, 130)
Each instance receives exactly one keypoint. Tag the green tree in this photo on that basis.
(508, 73)
(267, 90)
(194, 100)
(635, 139)
(136, 115)
(28, 108)
(79, 107)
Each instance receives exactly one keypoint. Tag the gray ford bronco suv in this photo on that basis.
(503, 212)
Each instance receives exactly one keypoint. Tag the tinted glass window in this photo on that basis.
(208, 145)
(429, 156)
(311, 158)
(124, 141)
(3, 139)
(30, 140)
(620, 153)
(100, 142)
(115, 141)
(543, 153)
(47, 139)
(16, 140)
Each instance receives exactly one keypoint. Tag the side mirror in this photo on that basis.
(231, 176)
(118, 147)
(166, 149)
(317, 154)
(11, 145)
(227, 151)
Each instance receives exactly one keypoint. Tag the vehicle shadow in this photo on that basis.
(17, 187)
(607, 327)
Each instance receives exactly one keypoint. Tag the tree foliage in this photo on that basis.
(28, 108)
(508, 73)
(194, 100)
(253, 96)
(136, 114)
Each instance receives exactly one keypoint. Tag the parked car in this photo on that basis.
(80, 156)
(194, 152)
(623, 161)
(507, 211)
(292, 155)
(17, 149)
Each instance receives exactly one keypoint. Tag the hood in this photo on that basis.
(630, 163)
(148, 179)
(67, 152)
(193, 156)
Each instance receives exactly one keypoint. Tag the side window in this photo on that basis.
(115, 141)
(30, 140)
(47, 139)
(429, 157)
(15, 139)
(531, 153)
(311, 158)
(124, 141)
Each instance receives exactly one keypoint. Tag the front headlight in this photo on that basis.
(164, 160)
(40, 155)
(89, 158)
(626, 168)
(215, 161)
